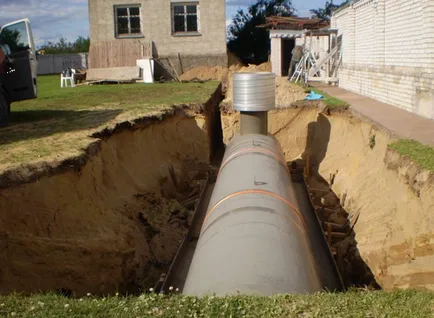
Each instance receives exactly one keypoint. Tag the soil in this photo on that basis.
(391, 197)
(286, 92)
(113, 219)
(338, 228)
(204, 73)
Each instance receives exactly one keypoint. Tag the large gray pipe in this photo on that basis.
(253, 97)
(254, 239)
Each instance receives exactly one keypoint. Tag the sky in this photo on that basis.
(52, 19)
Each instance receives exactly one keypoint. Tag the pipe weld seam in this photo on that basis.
(255, 191)
(253, 150)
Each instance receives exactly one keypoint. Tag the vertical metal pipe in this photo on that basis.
(254, 95)
(253, 123)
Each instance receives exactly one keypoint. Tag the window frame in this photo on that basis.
(116, 22)
(185, 3)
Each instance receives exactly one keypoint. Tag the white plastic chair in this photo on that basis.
(64, 79)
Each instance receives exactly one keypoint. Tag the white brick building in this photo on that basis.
(388, 52)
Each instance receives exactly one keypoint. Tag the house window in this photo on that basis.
(127, 20)
(185, 18)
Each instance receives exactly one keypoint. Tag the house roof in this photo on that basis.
(292, 34)
(294, 23)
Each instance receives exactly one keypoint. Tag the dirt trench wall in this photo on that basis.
(394, 197)
(115, 224)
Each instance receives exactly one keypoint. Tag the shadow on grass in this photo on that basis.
(32, 124)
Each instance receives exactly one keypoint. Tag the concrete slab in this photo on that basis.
(113, 73)
(400, 122)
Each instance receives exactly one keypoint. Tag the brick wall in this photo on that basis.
(388, 52)
(276, 56)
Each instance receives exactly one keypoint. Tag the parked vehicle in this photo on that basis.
(18, 66)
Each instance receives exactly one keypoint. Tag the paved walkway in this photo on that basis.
(400, 122)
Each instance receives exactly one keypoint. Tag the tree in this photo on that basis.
(250, 43)
(326, 12)
(81, 45)
(13, 39)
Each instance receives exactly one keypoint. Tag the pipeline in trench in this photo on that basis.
(147, 206)
(331, 228)
(241, 252)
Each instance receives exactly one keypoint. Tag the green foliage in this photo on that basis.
(13, 39)
(250, 43)
(81, 45)
(61, 119)
(326, 12)
(399, 304)
(330, 101)
(422, 154)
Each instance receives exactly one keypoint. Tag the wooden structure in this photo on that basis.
(321, 47)
(315, 68)
(118, 53)
(294, 23)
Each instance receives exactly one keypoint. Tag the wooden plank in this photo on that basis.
(113, 73)
(180, 63)
(118, 53)
(336, 227)
(174, 69)
(336, 235)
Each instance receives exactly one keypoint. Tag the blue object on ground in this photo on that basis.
(313, 96)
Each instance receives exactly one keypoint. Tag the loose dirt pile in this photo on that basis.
(205, 73)
(286, 92)
(233, 60)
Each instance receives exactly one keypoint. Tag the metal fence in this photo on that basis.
(56, 63)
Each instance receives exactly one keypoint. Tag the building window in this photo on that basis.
(185, 18)
(127, 21)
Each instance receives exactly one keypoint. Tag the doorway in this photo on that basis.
(287, 46)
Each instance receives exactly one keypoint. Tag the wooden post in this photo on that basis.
(329, 234)
(180, 63)
(328, 62)
(173, 68)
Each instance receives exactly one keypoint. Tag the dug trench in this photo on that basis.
(113, 219)
(375, 205)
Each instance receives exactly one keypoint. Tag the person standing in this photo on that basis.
(297, 54)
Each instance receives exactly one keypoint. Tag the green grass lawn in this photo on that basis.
(398, 304)
(330, 101)
(422, 154)
(60, 120)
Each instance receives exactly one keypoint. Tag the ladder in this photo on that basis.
(307, 58)
(298, 69)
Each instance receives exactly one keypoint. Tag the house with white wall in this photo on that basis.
(286, 33)
(388, 52)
